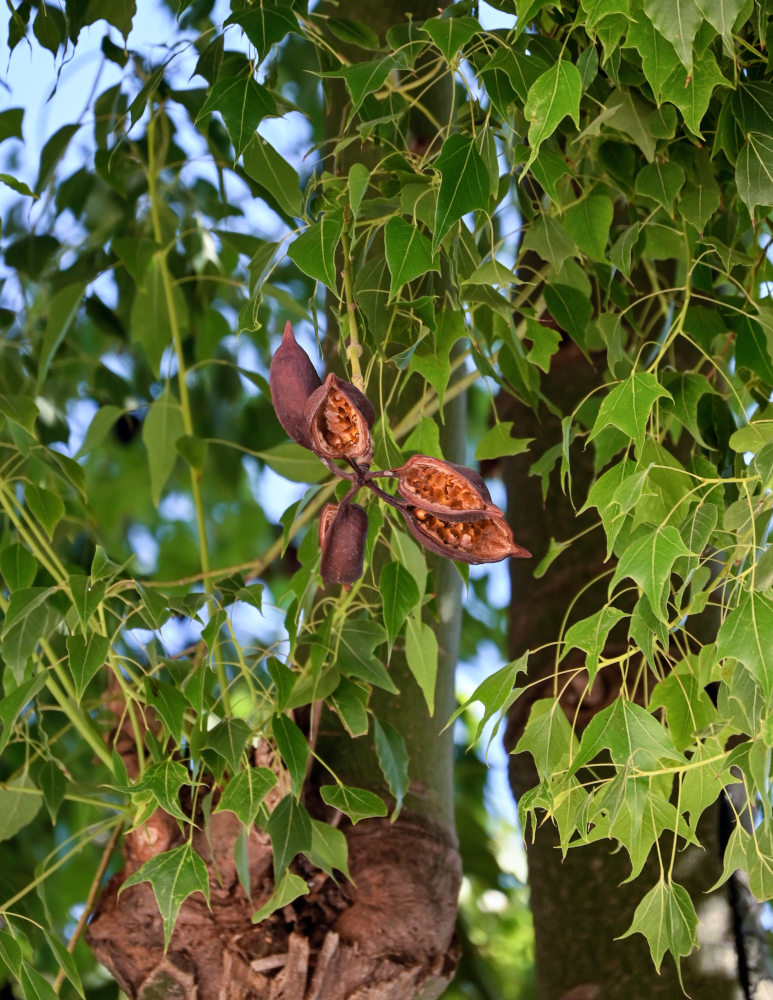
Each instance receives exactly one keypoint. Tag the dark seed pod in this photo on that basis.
(293, 379)
(483, 540)
(453, 492)
(343, 529)
(339, 418)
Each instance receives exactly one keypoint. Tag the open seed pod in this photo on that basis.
(483, 540)
(453, 492)
(293, 379)
(339, 418)
(343, 529)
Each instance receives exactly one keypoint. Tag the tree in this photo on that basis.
(571, 212)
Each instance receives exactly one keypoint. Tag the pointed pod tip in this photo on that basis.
(288, 332)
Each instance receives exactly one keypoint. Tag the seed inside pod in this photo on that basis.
(481, 540)
(449, 490)
(339, 418)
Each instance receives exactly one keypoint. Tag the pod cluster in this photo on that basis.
(446, 507)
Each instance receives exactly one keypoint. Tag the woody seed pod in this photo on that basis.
(482, 540)
(339, 418)
(293, 379)
(453, 492)
(343, 529)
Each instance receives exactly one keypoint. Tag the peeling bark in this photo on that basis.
(388, 936)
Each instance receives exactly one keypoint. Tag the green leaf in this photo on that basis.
(359, 180)
(754, 171)
(18, 566)
(408, 253)
(288, 888)
(329, 848)
(722, 15)
(87, 595)
(62, 310)
(648, 560)
(496, 693)
(228, 739)
(632, 736)
(265, 25)
(21, 410)
(661, 182)
(47, 506)
(400, 596)
(393, 760)
(294, 462)
(691, 94)
(161, 784)
(174, 875)
(678, 21)
(289, 827)
(465, 184)
(53, 784)
(101, 425)
(13, 703)
(10, 953)
(150, 323)
(590, 635)
(588, 222)
(754, 437)
(27, 621)
(161, 429)
(245, 792)
(11, 124)
(688, 707)
(314, 250)
(293, 748)
(275, 174)
(356, 803)
(88, 654)
(359, 637)
(667, 919)
(498, 441)
(550, 239)
(628, 405)
(451, 33)
(136, 253)
(18, 808)
(363, 79)
(353, 31)
(553, 95)
(548, 737)
(52, 153)
(421, 652)
(35, 984)
(350, 702)
(18, 186)
(424, 439)
(746, 635)
(243, 103)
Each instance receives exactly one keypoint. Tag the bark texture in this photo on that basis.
(580, 904)
(386, 936)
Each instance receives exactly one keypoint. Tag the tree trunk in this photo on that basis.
(579, 904)
(387, 935)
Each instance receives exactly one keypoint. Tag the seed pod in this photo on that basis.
(343, 529)
(451, 491)
(339, 418)
(293, 379)
(483, 540)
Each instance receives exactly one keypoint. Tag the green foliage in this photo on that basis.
(635, 142)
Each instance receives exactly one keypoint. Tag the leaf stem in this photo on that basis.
(354, 348)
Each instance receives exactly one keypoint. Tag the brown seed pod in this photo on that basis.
(483, 540)
(293, 379)
(339, 418)
(451, 491)
(343, 529)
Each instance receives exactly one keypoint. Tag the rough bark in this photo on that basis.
(383, 937)
(580, 904)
